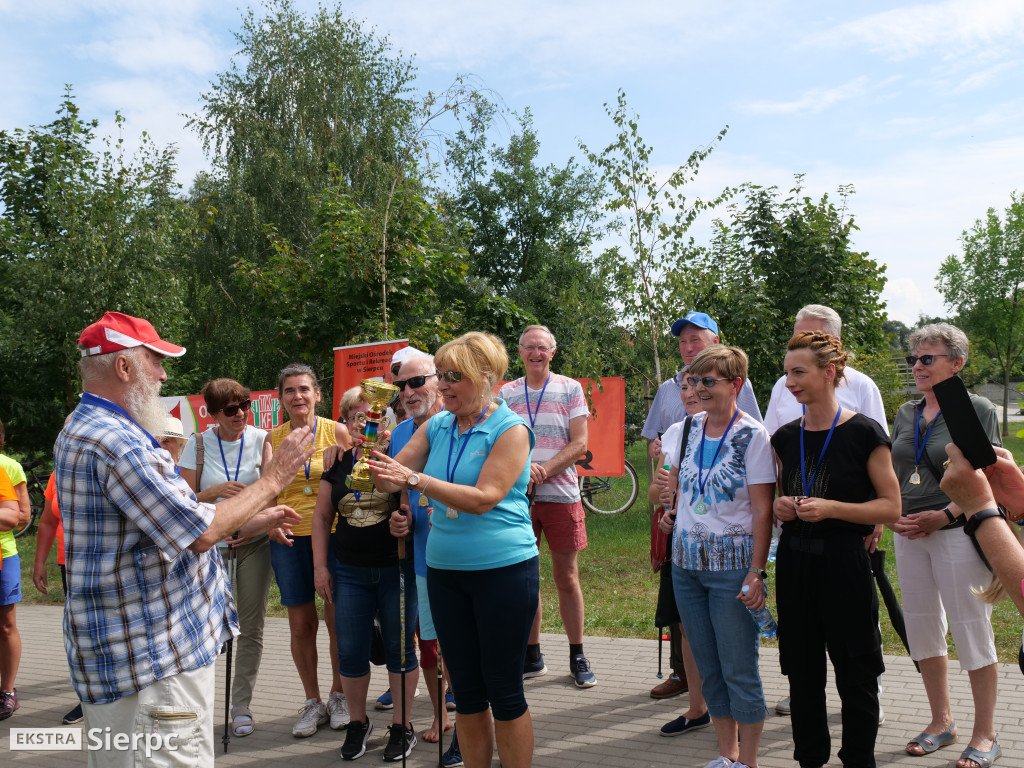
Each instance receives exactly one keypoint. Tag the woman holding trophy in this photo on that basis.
(365, 582)
(472, 461)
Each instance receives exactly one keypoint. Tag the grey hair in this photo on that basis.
(296, 369)
(954, 340)
(544, 328)
(831, 322)
(96, 368)
(416, 354)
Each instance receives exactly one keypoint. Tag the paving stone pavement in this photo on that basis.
(614, 723)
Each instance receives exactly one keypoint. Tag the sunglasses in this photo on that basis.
(231, 410)
(413, 381)
(707, 381)
(452, 377)
(925, 359)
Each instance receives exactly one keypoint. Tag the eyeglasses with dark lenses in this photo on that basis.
(707, 381)
(925, 359)
(231, 410)
(452, 377)
(413, 381)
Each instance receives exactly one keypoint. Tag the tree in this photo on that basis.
(309, 104)
(658, 217)
(81, 233)
(985, 288)
(530, 230)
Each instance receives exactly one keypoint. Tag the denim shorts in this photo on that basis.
(360, 594)
(483, 621)
(724, 640)
(10, 581)
(293, 569)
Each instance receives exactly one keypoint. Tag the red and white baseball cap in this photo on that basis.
(116, 331)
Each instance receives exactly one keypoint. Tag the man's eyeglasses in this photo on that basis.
(925, 359)
(707, 381)
(536, 348)
(231, 410)
(413, 381)
(452, 377)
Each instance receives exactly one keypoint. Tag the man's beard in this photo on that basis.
(422, 408)
(142, 401)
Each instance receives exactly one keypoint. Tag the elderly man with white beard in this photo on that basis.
(148, 601)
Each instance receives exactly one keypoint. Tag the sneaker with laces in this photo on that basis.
(397, 737)
(337, 709)
(8, 703)
(312, 715)
(534, 668)
(783, 707)
(384, 701)
(580, 670)
(355, 739)
(75, 716)
(720, 762)
(449, 700)
(452, 757)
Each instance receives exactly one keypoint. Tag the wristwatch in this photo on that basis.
(758, 572)
(414, 480)
(979, 517)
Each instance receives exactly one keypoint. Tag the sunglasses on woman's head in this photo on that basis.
(231, 410)
(413, 381)
(452, 377)
(925, 359)
(707, 381)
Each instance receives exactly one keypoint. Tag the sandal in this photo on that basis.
(242, 723)
(928, 742)
(983, 759)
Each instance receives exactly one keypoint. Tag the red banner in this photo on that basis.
(354, 363)
(606, 430)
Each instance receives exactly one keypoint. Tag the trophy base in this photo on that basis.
(360, 483)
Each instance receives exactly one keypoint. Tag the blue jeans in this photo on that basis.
(359, 593)
(724, 640)
(483, 621)
(293, 568)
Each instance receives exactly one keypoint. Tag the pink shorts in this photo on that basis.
(564, 525)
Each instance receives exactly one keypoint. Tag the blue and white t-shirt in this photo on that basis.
(718, 535)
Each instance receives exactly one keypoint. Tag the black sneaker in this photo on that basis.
(355, 739)
(394, 750)
(579, 668)
(534, 668)
(75, 716)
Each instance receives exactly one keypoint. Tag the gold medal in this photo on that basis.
(915, 479)
(452, 513)
(307, 491)
(424, 501)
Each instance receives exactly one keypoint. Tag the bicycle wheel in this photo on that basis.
(610, 495)
(36, 501)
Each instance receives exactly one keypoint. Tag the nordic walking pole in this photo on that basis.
(401, 608)
(226, 738)
(440, 707)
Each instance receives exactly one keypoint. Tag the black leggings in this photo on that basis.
(483, 621)
(827, 603)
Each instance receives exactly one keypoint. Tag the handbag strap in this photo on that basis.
(682, 447)
(200, 443)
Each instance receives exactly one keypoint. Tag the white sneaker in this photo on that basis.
(337, 708)
(721, 762)
(312, 715)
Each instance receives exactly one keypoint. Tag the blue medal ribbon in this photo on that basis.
(533, 416)
(701, 482)
(464, 441)
(919, 451)
(821, 456)
(224, 458)
(102, 402)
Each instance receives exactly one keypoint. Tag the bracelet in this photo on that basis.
(979, 517)
(423, 490)
(758, 572)
(949, 515)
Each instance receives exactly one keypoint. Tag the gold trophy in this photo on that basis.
(378, 394)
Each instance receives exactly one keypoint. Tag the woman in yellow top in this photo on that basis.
(293, 565)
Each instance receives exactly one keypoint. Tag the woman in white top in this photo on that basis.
(217, 464)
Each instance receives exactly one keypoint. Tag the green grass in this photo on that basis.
(620, 590)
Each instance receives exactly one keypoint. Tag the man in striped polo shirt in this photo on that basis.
(556, 410)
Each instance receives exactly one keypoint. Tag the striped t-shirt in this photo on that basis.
(563, 400)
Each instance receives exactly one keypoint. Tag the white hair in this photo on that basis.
(831, 322)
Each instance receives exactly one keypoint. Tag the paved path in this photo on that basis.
(613, 724)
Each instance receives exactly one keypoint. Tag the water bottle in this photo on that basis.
(763, 618)
(773, 548)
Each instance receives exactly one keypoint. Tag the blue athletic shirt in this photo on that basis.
(501, 536)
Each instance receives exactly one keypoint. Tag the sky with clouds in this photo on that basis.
(918, 106)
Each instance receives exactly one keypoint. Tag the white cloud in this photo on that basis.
(812, 101)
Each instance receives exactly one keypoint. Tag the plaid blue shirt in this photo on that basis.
(141, 606)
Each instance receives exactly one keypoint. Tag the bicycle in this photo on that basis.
(610, 495)
(35, 496)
